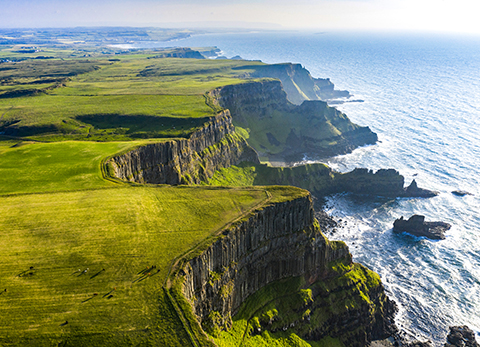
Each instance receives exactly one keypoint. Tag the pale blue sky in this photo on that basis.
(384, 15)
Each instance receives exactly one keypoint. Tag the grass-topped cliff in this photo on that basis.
(138, 96)
(94, 253)
(50, 237)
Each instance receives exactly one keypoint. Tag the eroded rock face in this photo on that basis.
(461, 336)
(299, 84)
(286, 132)
(384, 182)
(191, 160)
(417, 226)
(415, 192)
(278, 242)
(275, 243)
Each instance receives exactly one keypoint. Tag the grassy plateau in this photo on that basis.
(84, 259)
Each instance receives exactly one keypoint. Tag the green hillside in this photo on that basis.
(49, 238)
(85, 259)
(129, 97)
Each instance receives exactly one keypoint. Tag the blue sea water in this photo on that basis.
(422, 98)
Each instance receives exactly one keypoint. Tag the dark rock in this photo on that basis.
(384, 182)
(419, 344)
(461, 193)
(415, 192)
(327, 223)
(461, 336)
(278, 242)
(417, 226)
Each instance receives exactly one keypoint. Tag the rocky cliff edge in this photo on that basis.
(281, 131)
(281, 246)
(187, 161)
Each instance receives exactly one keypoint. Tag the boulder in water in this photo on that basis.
(417, 226)
(461, 193)
(461, 336)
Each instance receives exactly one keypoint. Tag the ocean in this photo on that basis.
(421, 96)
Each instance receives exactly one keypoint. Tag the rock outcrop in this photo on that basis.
(321, 180)
(384, 182)
(299, 84)
(282, 241)
(413, 191)
(280, 130)
(461, 193)
(461, 336)
(192, 160)
(417, 226)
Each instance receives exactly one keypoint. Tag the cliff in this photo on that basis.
(280, 130)
(282, 242)
(322, 180)
(191, 160)
(321, 293)
(299, 84)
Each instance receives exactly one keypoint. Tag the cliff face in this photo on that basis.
(321, 180)
(279, 242)
(299, 84)
(384, 182)
(274, 244)
(280, 130)
(191, 160)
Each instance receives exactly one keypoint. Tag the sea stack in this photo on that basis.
(417, 226)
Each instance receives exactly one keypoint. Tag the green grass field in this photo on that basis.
(115, 233)
(129, 97)
(40, 167)
(120, 230)
(84, 259)
(60, 217)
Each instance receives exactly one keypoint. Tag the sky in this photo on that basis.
(459, 16)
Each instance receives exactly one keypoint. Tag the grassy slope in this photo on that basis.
(39, 167)
(322, 124)
(122, 230)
